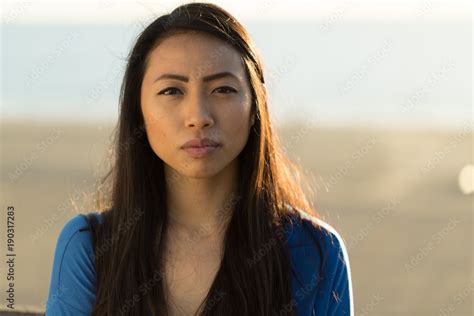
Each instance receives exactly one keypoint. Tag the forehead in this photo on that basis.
(194, 54)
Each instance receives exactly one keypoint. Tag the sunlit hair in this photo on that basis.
(254, 277)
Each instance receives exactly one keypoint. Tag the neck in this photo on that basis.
(201, 205)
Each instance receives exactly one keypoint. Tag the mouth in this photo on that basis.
(200, 147)
(200, 143)
(200, 151)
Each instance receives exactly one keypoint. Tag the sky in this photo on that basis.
(344, 62)
(113, 11)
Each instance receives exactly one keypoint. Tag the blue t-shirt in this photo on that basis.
(315, 292)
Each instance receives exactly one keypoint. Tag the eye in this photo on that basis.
(168, 89)
(226, 88)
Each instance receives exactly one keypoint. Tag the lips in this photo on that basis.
(200, 143)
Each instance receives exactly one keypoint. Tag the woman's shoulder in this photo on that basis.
(75, 237)
(309, 230)
(321, 261)
(321, 242)
(73, 277)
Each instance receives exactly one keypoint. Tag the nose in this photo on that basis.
(198, 112)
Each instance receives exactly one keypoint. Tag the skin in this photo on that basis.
(197, 188)
(176, 112)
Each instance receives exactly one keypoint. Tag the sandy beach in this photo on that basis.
(392, 194)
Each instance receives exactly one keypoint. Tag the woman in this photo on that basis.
(206, 215)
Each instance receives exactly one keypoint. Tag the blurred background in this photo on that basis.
(373, 99)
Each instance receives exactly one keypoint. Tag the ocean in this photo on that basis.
(410, 73)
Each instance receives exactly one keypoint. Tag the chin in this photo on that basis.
(200, 172)
(195, 169)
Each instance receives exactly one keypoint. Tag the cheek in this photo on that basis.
(238, 115)
(235, 124)
(157, 128)
(152, 114)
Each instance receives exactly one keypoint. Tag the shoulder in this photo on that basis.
(72, 228)
(321, 261)
(326, 236)
(310, 231)
(322, 239)
(75, 239)
(72, 285)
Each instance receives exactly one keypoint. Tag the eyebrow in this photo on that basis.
(204, 79)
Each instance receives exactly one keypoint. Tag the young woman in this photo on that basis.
(206, 215)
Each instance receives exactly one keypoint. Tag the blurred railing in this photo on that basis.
(22, 311)
(17, 313)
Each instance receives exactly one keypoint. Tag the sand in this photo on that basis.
(392, 194)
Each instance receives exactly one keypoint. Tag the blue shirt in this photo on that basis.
(315, 292)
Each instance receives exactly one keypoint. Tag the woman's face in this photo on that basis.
(186, 105)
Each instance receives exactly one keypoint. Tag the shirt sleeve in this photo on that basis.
(341, 302)
(73, 277)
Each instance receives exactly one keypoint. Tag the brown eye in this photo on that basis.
(228, 89)
(163, 92)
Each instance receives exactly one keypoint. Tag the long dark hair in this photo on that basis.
(254, 277)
